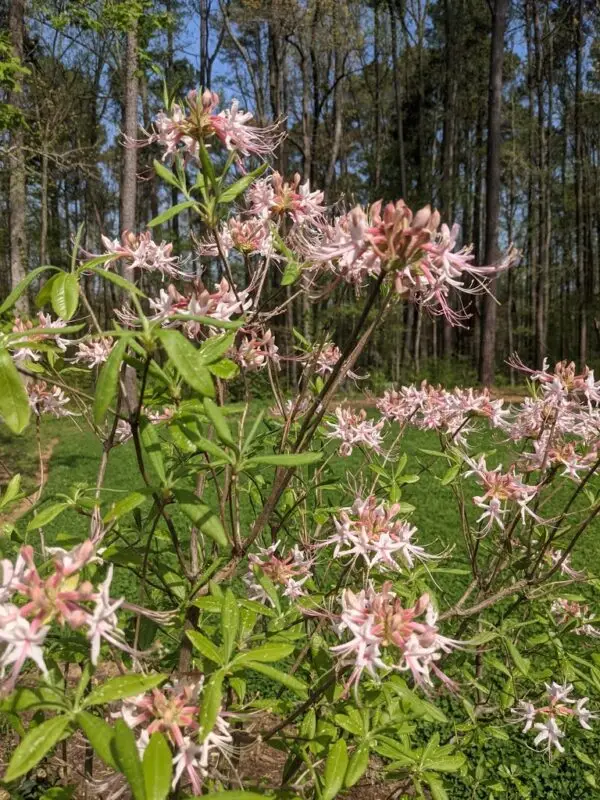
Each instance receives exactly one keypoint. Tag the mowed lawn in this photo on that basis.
(75, 458)
(76, 454)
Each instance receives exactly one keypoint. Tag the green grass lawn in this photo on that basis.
(75, 458)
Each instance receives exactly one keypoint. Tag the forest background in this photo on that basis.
(380, 99)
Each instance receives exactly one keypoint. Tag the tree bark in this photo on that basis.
(492, 192)
(398, 93)
(127, 216)
(16, 163)
(579, 233)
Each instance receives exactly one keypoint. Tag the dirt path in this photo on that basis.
(23, 506)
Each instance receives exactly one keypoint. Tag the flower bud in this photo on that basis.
(422, 217)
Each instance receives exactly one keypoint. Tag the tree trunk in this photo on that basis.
(16, 164)
(579, 232)
(127, 217)
(398, 94)
(492, 192)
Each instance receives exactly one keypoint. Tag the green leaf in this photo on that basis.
(358, 764)
(335, 770)
(215, 415)
(186, 360)
(446, 763)
(46, 516)
(117, 279)
(206, 647)
(291, 273)
(65, 295)
(21, 287)
(157, 766)
(165, 174)
(450, 475)
(208, 169)
(436, 787)
(240, 185)
(34, 746)
(171, 212)
(45, 293)
(152, 447)
(203, 517)
(99, 734)
(108, 379)
(235, 794)
(214, 348)
(12, 490)
(266, 653)
(224, 369)
(125, 506)
(212, 697)
(284, 678)
(521, 663)
(123, 686)
(230, 620)
(26, 699)
(14, 402)
(125, 753)
(287, 459)
(584, 758)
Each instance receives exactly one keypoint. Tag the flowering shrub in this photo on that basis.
(285, 595)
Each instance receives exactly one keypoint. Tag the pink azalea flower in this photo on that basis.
(94, 352)
(370, 530)
(141, 252)
(385, 635)
(353, 429)
(290, 572)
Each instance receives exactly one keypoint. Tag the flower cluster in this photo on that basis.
(183, 128)
(325, 358)
(174, 711)
(544, 720)
(93, 352)
(141, 252)
(30, 603)
(257, 350)
(416, 250)
(290, 571)
(370, 529)
(354, 429)
(25, 349)
(222, 304)
(45, 399)
(273, 198)
(501, 488)
(567, 611)
(388, 636)
(247, 237)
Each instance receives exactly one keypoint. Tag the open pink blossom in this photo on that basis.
(181, 129)
(143, 253)
(290, 572)
(566, 611)
(94, 352)
(45, 399)
(501, 488)
(544, 719)
(257, 350)
(25, 349)
(272, 197)
(247, 237)
(354, 429)
(370, 529)
(388, 636)
(325, 358)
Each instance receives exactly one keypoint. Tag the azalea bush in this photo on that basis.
(280, 596)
